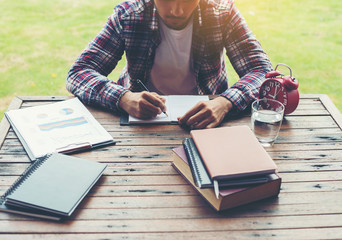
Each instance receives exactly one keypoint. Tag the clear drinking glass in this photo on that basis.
(267, 116)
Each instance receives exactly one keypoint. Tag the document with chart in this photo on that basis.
(63, 127)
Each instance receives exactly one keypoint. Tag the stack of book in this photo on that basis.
(227, 166)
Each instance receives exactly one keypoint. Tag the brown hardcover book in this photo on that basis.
(232, 152)
(228, 198)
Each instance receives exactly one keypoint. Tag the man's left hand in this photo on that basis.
(206, 114)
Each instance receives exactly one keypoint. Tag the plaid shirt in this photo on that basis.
(133, 29)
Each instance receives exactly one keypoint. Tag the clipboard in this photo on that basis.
(63, 127)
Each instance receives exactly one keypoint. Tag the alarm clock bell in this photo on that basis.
(281, 88)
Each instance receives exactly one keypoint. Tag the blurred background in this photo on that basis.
(39, 41)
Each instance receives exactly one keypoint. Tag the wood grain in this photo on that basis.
(141, 196)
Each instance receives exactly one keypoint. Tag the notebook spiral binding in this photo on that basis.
(33, 167)
(189, 152)
(199, 172)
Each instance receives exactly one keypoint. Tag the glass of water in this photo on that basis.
(267, 116)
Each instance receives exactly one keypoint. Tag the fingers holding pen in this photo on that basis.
(142, 105)
(156, 100)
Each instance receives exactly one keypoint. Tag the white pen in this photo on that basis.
(216, 189)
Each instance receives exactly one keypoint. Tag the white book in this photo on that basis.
(63, 127)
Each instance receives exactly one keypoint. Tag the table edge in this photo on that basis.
(18, 100)
(4, 124)
(332, 109)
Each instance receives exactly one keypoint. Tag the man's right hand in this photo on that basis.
(142, 105)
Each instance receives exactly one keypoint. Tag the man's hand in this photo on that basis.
(207, 114)
(142, 105)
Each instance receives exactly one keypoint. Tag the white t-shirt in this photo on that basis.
(171, 72)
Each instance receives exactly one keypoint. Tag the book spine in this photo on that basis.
(191, 159)
(26, 174)
(200, 175)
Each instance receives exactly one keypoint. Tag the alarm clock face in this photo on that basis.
(273, 89)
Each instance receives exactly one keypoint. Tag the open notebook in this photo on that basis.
(176, 106)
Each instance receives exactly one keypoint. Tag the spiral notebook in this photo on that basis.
(52, 187)
(199, 172)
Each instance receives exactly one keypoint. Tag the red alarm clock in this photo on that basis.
(281, 88)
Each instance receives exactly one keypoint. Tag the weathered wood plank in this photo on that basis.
(146, 180)
(279, 151)
(124, 168)
(187, 190)
(197, 201)
(328, 135)
(176, 225)
(259, 209)
(279, 234)
(164, 168)
(120, 168)
(161, 190)
(113, 180)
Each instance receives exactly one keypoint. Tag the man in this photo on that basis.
(173, 47)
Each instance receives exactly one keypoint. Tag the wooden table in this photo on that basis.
(141, 196)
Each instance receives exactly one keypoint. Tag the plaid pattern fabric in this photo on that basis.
(133, 30)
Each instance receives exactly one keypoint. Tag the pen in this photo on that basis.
(216, 189)
(146, 89)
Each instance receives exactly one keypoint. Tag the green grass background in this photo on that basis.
(39, 40)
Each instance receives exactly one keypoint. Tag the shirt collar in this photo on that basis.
(154, 23)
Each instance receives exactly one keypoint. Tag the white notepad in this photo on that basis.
(176, 106)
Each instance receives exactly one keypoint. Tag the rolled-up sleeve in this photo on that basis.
(248, 59)
(87, 78)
